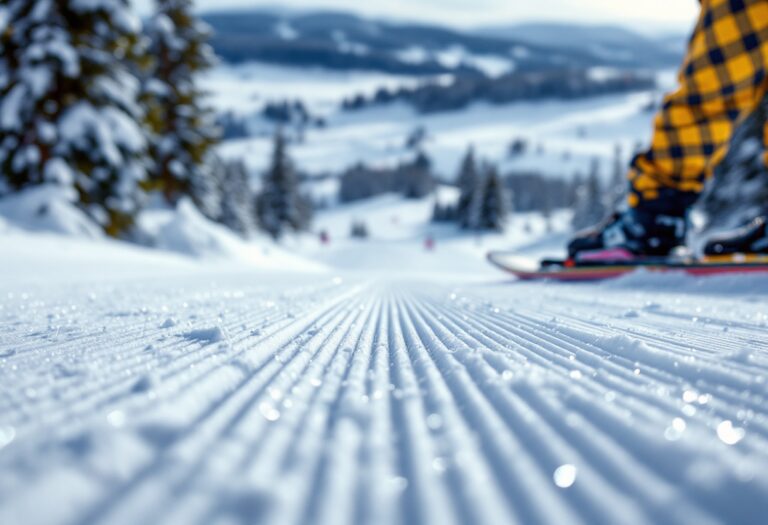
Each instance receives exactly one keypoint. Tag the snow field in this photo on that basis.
(398, 228)
(251, 398)
(571, 132)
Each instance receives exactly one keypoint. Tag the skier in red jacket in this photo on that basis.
(722, 81)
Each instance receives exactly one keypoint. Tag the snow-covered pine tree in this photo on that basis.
(205, 188)
(546, 212)
(68, 103)
(473, 216)
(280, 205)
(467, 181)
(739, 189)
(574, 190)
(589, 207)
(184, 129)
(414, 179)
(496, 202)
(238, 200)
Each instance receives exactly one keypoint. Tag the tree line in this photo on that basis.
(464, 90)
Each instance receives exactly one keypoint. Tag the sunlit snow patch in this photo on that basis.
(565, 476)
(729, 434)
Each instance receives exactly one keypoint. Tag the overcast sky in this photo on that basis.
(641, 14)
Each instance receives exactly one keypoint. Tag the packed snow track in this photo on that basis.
(319, 400)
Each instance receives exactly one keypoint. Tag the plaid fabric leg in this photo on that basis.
(721, 82)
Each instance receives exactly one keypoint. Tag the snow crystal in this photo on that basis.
(269, 412)
(690, 396)
(117, 418)
(729, 434)
(675, 431)
(565, 476)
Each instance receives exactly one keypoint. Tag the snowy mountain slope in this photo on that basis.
(342, 41)
(613, 43)
(306, 400)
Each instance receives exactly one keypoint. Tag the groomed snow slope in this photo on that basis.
(254, 398)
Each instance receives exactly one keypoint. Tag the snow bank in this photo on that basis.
(47, 208)
(65, 231)
(190, 233)
(185, 230)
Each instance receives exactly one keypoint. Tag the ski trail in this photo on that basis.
(380, 402)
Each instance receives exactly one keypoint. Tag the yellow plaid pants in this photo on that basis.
(722, 80)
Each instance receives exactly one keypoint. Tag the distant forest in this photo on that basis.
(433, 97)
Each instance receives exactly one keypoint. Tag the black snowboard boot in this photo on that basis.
(749, 239)
(631, 234)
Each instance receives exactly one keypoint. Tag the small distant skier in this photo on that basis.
(429, 243)
(325, 238)
(723, 79)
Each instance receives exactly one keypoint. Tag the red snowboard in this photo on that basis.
(568, 270)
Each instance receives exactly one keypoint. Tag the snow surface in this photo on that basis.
(403, 386)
